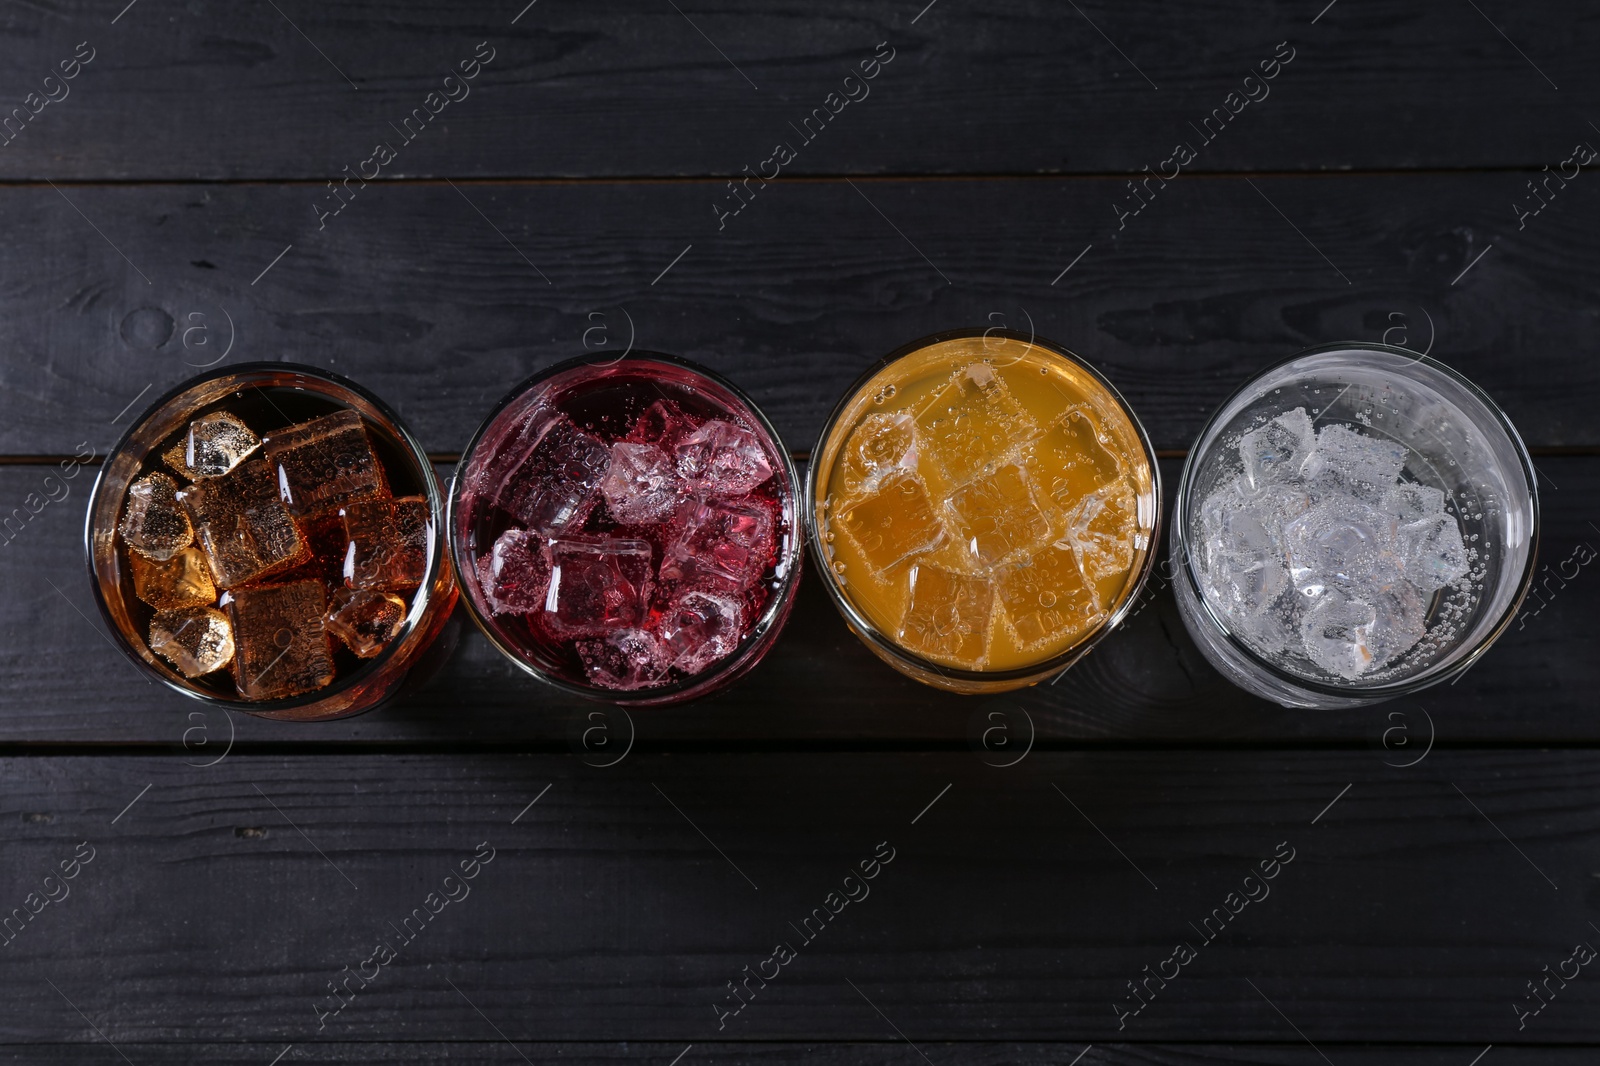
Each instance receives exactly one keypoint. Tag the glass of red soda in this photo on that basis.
(627, 528)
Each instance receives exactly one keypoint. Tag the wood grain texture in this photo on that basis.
(647, 1053)
(413, 293)
(65, 683)
(222, 91)
(220, 903)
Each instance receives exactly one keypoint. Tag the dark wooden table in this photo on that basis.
(168, 207)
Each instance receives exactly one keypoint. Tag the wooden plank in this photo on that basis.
(64, 683)
(1017, 904)
(637, 88)
(804, 1052)
(415, 294)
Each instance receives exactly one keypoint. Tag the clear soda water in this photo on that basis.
(1359, 520)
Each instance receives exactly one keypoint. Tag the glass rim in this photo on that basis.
(764, 625)
(1387, 689)
(869, 631)
(414, 613)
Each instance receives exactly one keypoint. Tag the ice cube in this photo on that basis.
(1341, 543)
(515, 574)
(1411, 502)
(556, 483)
(325, 462)
(1103, 529)
(894, 523)
(196, 640)
(1435, 555)
(213, 445)
(1243, 562)
(181, 581)
(1351, 637)
(971, 422)
(597, 584)
(1334, 632)
(724, 458)
(641, 485)
(1365, 467)
(153, 524)
(947, 616)
(365, 619)
(663, 424)
(242, 525)
(1399, 621)
(386, 542)
(1071, 459)
(1045, 597)
(624, 659)
(719, 545)
(282, 644)
(998, 515)
(699, 628)
(1279, 450)
(882, 445)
